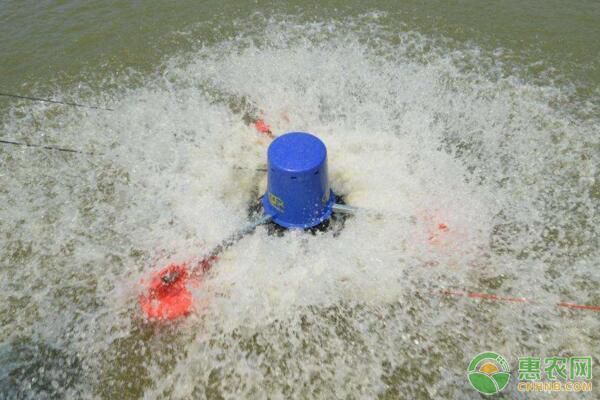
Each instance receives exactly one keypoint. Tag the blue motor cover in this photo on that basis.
(298, 193)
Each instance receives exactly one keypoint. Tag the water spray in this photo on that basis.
(298, 197)
(250, 117)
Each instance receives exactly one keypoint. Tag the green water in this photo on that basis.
(481, 115)
(47, 41)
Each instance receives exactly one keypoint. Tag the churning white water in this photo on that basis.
(484, 182)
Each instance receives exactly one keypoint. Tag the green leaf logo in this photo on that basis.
(488, 373)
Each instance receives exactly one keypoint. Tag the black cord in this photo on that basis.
(16, 96)
(43, 147)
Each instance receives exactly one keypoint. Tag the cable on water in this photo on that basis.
(67, 150)
(42, 146)
(66, 103)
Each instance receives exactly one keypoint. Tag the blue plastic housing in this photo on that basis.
(298, 193)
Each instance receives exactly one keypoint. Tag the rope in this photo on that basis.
(41, 146)
(66, 103)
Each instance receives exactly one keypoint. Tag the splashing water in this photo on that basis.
(486, 182)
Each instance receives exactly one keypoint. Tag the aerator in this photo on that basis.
(298, 196)
(298, 193)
